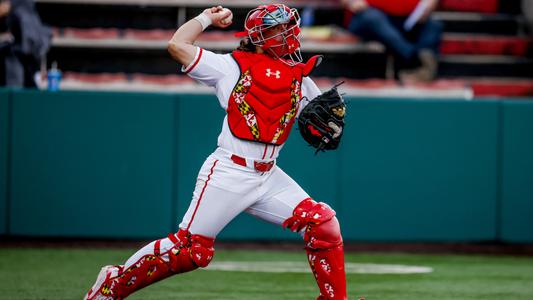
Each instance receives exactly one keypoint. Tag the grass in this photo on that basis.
(61, 274)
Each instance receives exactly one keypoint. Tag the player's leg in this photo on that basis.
(211, 209)
(286, 203)
(324, 246)
(178, 253)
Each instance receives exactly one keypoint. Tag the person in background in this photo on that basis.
(6, 38)
(527, 11)
(405, 28)
(26, 43)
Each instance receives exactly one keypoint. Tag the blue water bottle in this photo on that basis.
(54, 78)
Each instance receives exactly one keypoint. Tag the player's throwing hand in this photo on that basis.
(219, 16)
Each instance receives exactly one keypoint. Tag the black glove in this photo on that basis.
(321, 122)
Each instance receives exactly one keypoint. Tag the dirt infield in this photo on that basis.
(487, 248)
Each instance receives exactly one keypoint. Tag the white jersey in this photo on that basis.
(222, 72)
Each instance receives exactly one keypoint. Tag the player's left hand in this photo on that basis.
(321, 122)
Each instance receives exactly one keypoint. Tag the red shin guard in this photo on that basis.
(328, 267)
(188, 253)
(324, 246)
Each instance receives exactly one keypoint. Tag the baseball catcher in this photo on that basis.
(261, 85)
(321, 122)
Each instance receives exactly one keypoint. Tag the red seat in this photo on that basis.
(92, 33)
(507, 88)
(162, 79)
(153, 34)
(484, 6)
(485, 45)
(96, 78)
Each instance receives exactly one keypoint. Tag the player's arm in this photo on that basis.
(309, 91)
(181, 46)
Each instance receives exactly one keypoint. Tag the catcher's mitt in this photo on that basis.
(321, 122)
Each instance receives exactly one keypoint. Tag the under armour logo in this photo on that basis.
(269, 72)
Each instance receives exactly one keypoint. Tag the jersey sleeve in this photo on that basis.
(310, 91)
(207, 67)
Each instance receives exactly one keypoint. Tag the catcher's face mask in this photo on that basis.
(276, 29)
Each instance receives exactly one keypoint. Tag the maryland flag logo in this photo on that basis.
(244, 108)
(288, 116)
(255, 131)
(106, 290)
(239, 88)
(151, 271)
(330, 290)
(325, 265)
(239, 92)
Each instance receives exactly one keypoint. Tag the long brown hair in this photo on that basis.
(246, 46)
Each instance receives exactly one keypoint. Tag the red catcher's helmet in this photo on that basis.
(285, 43)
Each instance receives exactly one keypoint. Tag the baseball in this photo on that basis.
(228, 19)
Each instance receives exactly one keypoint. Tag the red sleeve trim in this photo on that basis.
(195, 61)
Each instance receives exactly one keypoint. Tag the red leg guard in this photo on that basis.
(188, 253)
(326, 258)
(324, 246)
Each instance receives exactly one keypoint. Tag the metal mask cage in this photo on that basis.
(280, 44)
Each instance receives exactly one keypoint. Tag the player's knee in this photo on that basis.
(308, 212)
(325, 235)
(322, 227)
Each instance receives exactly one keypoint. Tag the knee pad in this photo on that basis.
(325, 235)
(198, 248)
(322, 227)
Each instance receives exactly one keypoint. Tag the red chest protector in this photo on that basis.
(264, 102)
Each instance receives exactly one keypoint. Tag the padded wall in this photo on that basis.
(89, 164)
(419, 170)
(124, 165)
(4, 140)
(517, 172)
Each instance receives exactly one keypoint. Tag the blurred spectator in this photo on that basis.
(6, 38)
(405, 28)
(527, 10)
(26, 43)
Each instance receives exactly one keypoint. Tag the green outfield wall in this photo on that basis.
(516, 194)
(420, 170)
(91, 164)
(106, 164)
(4, 140)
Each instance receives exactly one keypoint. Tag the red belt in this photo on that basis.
(258, 165)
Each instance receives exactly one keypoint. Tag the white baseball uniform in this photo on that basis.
(224, 188)
(242, 175)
